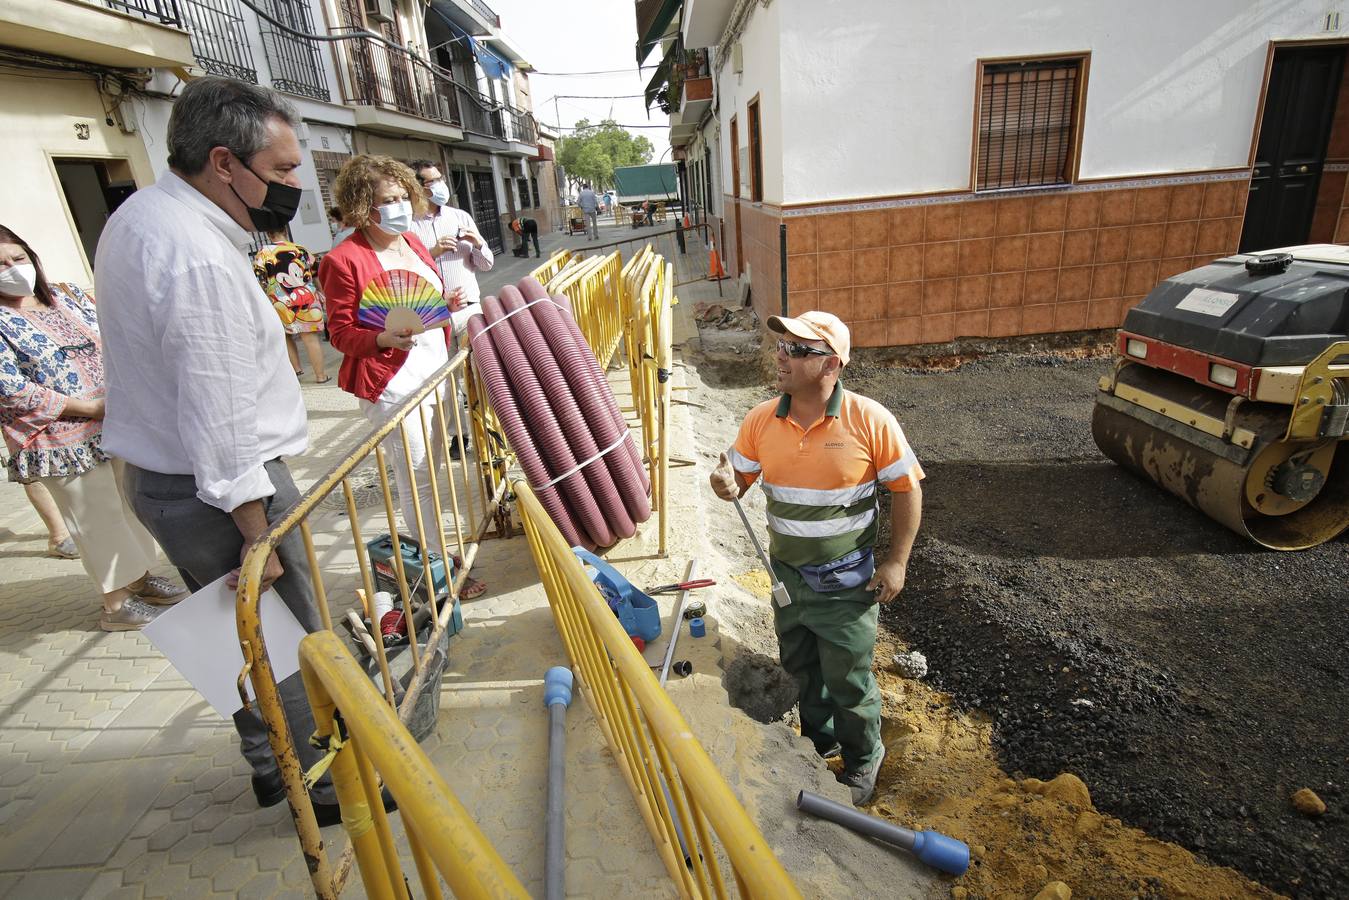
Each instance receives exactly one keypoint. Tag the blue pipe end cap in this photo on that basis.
(697, 627)
(941, 852)
(557, 686)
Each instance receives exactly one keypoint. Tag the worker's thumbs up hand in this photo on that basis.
(723, 480)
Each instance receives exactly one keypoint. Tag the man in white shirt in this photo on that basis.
(202, 402)
(590, 206)
(459, 251)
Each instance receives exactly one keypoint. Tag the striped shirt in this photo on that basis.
(820, 482)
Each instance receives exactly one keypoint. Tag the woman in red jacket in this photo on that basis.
(379, 197)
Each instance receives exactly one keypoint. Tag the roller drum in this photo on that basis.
(1215, 476)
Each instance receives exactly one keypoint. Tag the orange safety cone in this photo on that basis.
(714, 270)
(687, 223)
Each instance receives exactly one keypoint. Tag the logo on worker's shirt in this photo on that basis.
(835, 445)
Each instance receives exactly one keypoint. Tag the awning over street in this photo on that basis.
(653, 19)
(660, 77)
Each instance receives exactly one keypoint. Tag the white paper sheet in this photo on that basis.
(199, 636)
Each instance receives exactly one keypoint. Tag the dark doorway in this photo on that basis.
(1299, 108)
(485, 212)
(94, 188)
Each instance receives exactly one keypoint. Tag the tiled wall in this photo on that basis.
(923, 272)
(762, 245)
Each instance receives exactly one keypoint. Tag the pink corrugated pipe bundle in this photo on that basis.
(559, 415)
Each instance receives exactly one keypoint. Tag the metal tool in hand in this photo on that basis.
(682, 586)
(780, 594)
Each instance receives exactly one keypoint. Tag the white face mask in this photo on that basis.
(440, 194)
(395, 218)
(18, 280)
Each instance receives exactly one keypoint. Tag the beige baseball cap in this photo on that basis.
(816, 325)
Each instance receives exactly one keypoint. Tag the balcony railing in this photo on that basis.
(295, 63)
(165, 12)
(491, 118)
(219, 38)
(482, 114)
(520, 126)
(373, 73)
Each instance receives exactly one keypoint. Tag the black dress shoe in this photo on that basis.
(269, 789)
(455, 452)
(330, 813)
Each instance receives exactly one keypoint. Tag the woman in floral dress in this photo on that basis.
(51, 411)
(286, 272)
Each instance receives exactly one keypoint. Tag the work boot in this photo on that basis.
(269, 789)
(833, 751)
(863, 783)
(455, 450)
(133, 616)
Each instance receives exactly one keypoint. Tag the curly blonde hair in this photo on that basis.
(354, 190)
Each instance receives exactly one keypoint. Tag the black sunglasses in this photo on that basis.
(797, 350)
(85, 349)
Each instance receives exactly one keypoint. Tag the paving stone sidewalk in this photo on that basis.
(118, 780)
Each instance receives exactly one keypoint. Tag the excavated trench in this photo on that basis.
(1102, 628)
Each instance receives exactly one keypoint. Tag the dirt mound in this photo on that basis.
(940, 773)
(759, 687)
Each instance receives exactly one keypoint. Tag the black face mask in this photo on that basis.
(278, 206)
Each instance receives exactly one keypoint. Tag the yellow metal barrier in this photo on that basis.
(648, 325)
(544, 273)
(365, 739)
(475, 494)
(594, 288)
(671, 777)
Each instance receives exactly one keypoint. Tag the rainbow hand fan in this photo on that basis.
(399, 300)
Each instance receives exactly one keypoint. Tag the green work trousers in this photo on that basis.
(825, 641)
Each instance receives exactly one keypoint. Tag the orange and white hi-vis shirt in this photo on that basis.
(820, 482)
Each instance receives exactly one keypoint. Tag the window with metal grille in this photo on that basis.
(220, 38)
(295, 63)
(1027, 123)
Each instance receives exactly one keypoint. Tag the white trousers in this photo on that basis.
(114, 546)
(423, 458)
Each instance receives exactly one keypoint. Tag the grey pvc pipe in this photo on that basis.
(557, 697)
(931, 847)
(689, 574)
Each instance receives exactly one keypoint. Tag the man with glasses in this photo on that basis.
(459, 252)
(823, 451)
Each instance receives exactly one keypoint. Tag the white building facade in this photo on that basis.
(931, 172)
(88, 87)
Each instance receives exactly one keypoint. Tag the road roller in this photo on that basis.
(1230, 389)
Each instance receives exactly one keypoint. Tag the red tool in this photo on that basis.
(682, 586)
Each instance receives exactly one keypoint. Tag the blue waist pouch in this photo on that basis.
(846, 573)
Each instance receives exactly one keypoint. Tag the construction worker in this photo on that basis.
(822, 452)
(525, 228)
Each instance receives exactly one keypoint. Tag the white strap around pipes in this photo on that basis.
(579, 466)
(491, 325)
